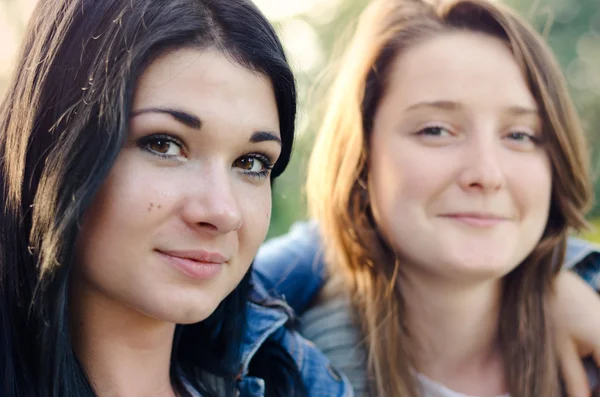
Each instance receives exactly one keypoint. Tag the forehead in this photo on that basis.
(206, 83)
(466, 67)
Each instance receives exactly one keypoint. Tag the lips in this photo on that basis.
(197, 255)
(478, 219)
(201, 265)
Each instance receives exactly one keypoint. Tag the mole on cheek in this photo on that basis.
(150, 207)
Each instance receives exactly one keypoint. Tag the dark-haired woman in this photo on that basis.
(138, 144)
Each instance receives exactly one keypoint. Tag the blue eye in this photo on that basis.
(437, 131)
(520, 136)
(523, 137)
(255, 164)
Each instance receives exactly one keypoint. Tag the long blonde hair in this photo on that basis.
(338, 195)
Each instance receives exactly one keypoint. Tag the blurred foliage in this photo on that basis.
(332, 32)
(594, 234)
(571, 27)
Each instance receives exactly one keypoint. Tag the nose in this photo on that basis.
(212, 202)
(482, 167)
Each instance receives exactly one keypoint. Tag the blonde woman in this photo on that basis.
(448, 172)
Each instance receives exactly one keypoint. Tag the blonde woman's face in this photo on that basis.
(460, 179)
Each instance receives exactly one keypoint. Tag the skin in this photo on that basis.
(202, 185)
(460, 188)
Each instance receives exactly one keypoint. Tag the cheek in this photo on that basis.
(129, 205)
(130, 196)
(256, 209)
(393, 190)
(405, 180)
(532, 187)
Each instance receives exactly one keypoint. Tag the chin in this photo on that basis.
(185, 317)
(194, 313)
(480, 271)
(181, 312)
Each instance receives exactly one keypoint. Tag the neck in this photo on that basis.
(455, 330)
(124, 353)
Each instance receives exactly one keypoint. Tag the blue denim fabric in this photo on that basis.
(269, 317)
(292, 265)
(584, 259)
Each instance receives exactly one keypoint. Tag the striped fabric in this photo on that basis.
(331, 327)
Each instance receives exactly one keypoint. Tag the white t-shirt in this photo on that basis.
(430, 388)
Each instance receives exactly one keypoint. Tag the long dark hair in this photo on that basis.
(62, 124)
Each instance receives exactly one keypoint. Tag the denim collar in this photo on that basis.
(578, 250)
(266, 314)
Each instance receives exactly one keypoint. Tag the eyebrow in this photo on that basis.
(194, 122)
(184, 118)
(445, 105)
(520, 110)
(451, 105)
(264, 136)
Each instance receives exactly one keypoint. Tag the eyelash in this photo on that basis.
(266, 162)
(423, 131)
(536, 140)
(144, 143)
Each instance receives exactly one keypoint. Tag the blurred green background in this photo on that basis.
(314, 33)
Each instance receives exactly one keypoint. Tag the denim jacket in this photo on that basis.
(269, 318)
(305, 272)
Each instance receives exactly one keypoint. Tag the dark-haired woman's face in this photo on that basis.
(188, 201)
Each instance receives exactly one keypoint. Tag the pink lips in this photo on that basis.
(476, 219)
(201, 265)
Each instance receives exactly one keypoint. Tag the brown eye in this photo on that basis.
(160, 146)
(245, 163)
(163, 146)
(255, 165)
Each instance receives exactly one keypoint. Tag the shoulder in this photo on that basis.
(271, 319)
(321, 376)
(332, 326)
(292, 265)
(292, 246)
